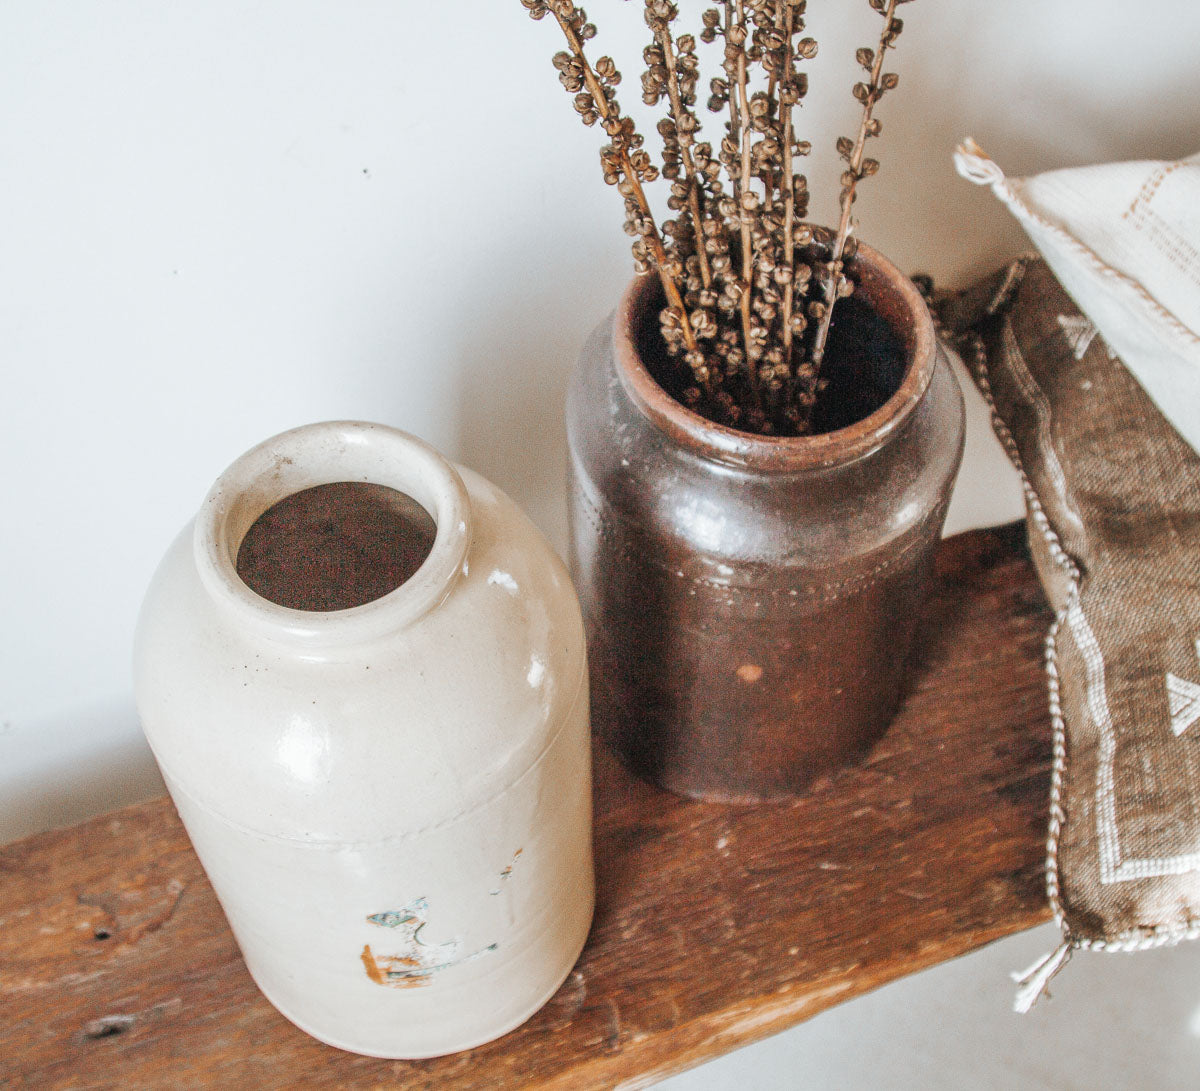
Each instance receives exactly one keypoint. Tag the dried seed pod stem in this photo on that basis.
(744, 194)
(735, 118)
(786, 19)
(631, 175)
(750, 286)
(679, 111)
(870, 95)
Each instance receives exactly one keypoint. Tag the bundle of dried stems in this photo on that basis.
(750, 286)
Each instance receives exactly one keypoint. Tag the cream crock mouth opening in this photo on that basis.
(324, 454)
(888, 292)
(335, 546)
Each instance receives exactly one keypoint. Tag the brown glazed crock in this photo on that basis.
(750, 601)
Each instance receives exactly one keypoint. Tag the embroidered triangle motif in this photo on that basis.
(1184, 698)
(1079, 332)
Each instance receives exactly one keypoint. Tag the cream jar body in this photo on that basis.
(392, 801)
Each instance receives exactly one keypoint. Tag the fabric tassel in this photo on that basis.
(974, 164)
(1034, 982)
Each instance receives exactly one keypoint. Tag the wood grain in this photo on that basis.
(716, 925)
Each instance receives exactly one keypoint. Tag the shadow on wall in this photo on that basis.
(1051, 104)
(49, 779)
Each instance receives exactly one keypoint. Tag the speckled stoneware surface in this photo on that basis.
(392, 801)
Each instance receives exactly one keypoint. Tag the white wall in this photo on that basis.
(219, 220)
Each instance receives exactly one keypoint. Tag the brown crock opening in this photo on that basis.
(888, 292)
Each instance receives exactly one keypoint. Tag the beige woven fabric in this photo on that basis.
(1124, 241)
(1114, 504)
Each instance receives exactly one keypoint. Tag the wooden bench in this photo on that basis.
(715, 925)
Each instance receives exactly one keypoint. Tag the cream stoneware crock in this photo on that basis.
(393, 801)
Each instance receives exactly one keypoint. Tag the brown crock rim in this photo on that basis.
(781, 453)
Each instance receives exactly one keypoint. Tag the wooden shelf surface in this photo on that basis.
(715, 926)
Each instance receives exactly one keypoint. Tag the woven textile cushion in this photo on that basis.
(1113, 494)
(1124, 241)
(1092, 362)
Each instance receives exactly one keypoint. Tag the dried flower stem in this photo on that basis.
(789, 190)
(674, 298)
(678, 112)
(744, 195)
(834, 281)
(749, 284)
(770, 179)
(735, 122)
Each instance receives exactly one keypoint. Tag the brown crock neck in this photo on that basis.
(889, 293)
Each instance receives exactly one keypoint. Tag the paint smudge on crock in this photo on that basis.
(506, 874)
(416, 961)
